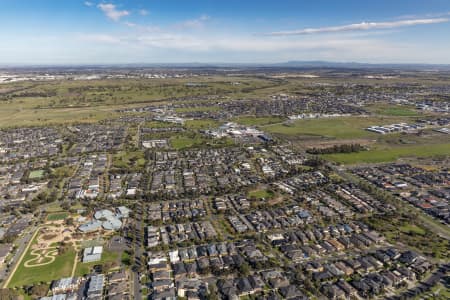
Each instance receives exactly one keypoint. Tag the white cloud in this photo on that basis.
(194, 23)
(99, 38)
(87, 3)
(130, 24)
(171, 43)
(111, 11)
(236, 44)
(361, 26)
(143, 12)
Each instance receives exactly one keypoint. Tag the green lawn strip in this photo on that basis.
(197, 108)
(53, 207)
(388, 154)
(414, 229)
(159, 124)
(395, 110)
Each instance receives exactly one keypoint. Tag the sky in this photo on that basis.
(76, 32)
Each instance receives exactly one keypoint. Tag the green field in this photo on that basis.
(160, 124)
(57, 216)
(258, 121)
(334, 128)
(201, 124)
(387, 153)
(395, 110)
(183, 142)
(197, 109)
(61, 267)
(107, 257)
(126, 159)
(36, 174)
(196, 140)
(412, 229)
(17, 115)
(66, 102)
(258, 194)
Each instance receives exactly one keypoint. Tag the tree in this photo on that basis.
(39, 291)
(8, 294)
(244, 269)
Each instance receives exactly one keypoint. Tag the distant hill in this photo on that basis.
(212, 66)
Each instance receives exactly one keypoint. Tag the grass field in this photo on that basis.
(196, 140)
(395, 110)
(17, 115)
(258, 194)
(61, 267)
(57, 216)
(125, 159)
(334, 128)
(258, 121)
(65, 102)
(107, 257)
(159, 124)
(184, 142)
(197, 109)
(36, 174)
(390, 153)
(201, 124)
(413, 229)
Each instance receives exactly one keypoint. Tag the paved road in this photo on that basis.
(20, 252)
(138, 253)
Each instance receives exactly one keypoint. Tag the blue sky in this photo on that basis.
(174, 31)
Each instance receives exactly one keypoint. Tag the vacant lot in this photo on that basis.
(331, 128)
(387, 154)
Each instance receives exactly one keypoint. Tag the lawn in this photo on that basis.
(125, 159)
(197, 109)
(389, 153)
(36, 174)
(263, 193)
(399, 111)
(201, 124)
(394, 110)
(107, 257)
(439, 291)
(61, 267)
(412, 229)
(25, 114)
(184, 142)
(258, 121)
(196, 140)
(57, 216)
(160, 124)
(335, 128)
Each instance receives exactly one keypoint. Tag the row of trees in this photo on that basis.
(344, 148)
